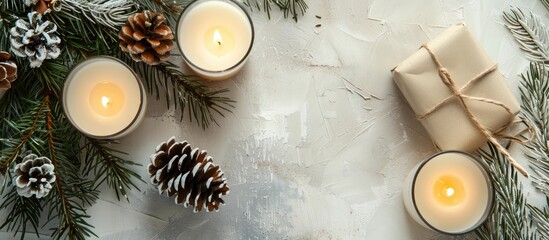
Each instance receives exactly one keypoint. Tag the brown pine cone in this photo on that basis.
(8, 71)
(41, 6)
(188, 174)
(147, 38)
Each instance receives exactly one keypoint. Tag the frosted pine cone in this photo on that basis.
(34, 176)
(8, 71)
(36, 40)
(41, 6)
(147, 38)
(189, 174)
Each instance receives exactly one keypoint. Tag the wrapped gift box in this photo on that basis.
(449, 125)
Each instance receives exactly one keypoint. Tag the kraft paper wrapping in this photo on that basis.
(449, 126)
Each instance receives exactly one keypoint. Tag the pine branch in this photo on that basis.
(531, 34)
(509, 219)
(170, 10)
(14, 5)
(104, 165)
(28, 125)
(82, 26)
(22, 212)
(20, 99)
(166, 7)
(186, 92)
(25, 132)
(541, 218)
(72, 215)
(77, 186)
(107, 13)
(534, 91)
(6, 21)
(290, 7)
(171, 6)
(545, 3)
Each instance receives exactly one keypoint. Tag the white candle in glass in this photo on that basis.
(215, 37)
(104, 98)
(451, 192)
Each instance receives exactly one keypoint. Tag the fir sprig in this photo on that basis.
(83, 18)
(14, 6)
(111, 14)
(170, 9)
(533, 37)
(534, 91)
(531, 34)
(509, 219)
(71, 214)
(28, 124)
(291, 8)
(545, 3)
(104, 164)
(195, 100)
(23, 213)
(541, 218)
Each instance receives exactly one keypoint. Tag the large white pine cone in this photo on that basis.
(188, 174)
(36, 40)
(34, 176)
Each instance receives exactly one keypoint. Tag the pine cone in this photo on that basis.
(147, 38)
(8, 71)
(41, 6)
(189, 174)
(36, 40)
(34, 175)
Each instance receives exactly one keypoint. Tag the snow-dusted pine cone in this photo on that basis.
(36, 40)
(189, 174)
(147, 38)
(34, 176)
(42, 6)
(8, 70)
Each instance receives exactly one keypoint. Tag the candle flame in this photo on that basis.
(449, 192)
(217, 38)
(105, 101)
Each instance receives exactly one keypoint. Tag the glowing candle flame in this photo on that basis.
(449, 192)
(217, 38)
(105, 101)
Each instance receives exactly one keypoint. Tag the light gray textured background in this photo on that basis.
(320, 141)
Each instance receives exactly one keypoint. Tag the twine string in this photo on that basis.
(458, 93)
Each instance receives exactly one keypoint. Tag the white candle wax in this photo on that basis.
(103, 98)
(215, 37)
(450, 192)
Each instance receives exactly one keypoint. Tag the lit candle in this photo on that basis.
(104, 98)
(451, 192)
(215, 37)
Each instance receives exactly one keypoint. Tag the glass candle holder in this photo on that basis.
(215, 37)
(104, 98)
(451, 192)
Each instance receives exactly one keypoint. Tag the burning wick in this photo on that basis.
(217, 38)
(449, 192)
(105, 101)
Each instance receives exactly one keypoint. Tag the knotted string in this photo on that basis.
(458, 93)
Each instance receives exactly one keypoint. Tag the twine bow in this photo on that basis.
(458, 93)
